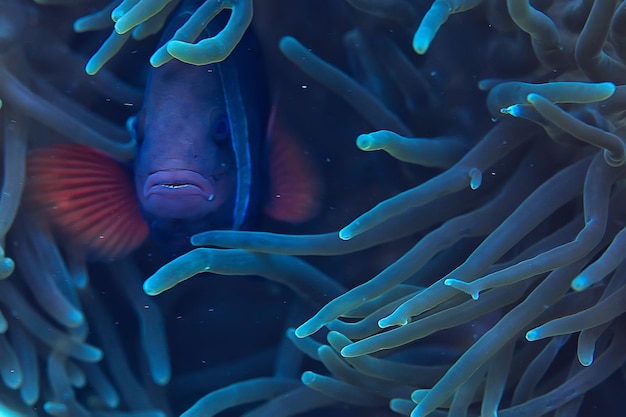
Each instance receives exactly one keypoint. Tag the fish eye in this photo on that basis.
(220, 129)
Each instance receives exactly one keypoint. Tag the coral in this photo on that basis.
(473, 268)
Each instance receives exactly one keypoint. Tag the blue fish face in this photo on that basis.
(186, 170)
(201, 163)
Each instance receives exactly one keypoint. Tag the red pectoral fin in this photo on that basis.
(295, 187)
(89, 199)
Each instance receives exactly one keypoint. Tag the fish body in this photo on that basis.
(205, 161)
(201, 134)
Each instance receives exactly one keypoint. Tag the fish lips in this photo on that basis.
(178, 194)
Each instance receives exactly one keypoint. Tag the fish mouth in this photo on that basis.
(178, 193)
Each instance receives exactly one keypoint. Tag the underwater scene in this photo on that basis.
(313, 208)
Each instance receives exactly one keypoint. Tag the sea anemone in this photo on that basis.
(472, 269)
(530, 319)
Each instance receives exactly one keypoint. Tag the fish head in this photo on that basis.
(185, 170)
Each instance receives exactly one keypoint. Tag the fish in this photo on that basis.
(210, 157)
